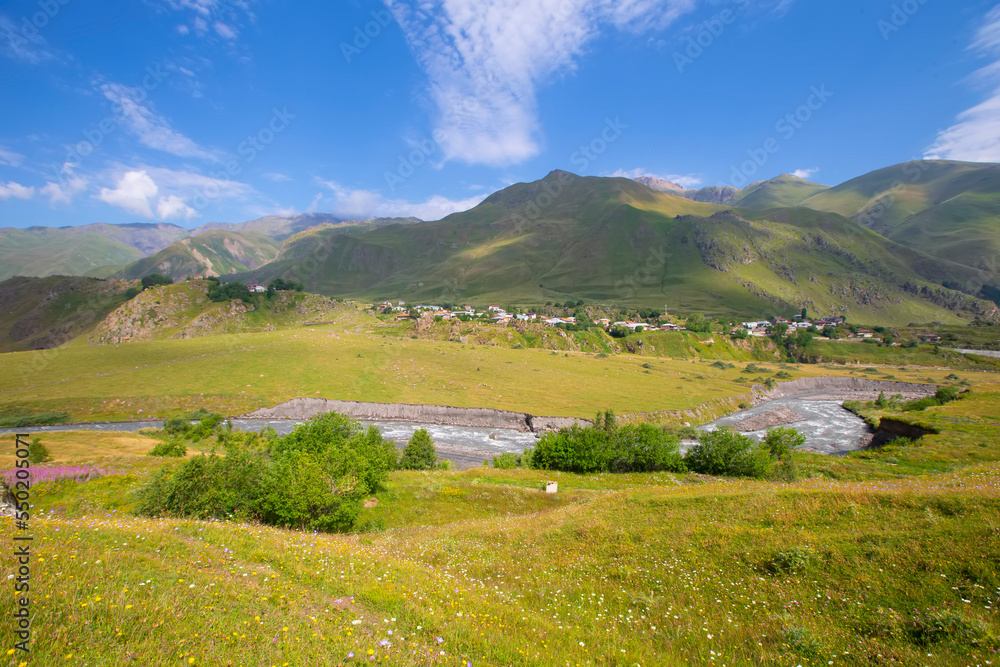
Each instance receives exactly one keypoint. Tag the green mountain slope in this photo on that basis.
(40, 313)
(95, 250)
(614, 240)
(944, 208)
(784, 191)
(213, 253)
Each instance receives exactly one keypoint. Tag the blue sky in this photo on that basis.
(193, 111)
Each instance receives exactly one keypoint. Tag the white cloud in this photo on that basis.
(132, 193)
(16, 191)
(10, 158)
(276, 177)
(147, 126)
(687, 181)
(805, 173)
(166, 193)
(975, 135)
(63, 193)
(364, 204)
(486, 60)
(173, 206)
(225, 31)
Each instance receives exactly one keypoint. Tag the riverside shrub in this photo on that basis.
(314, 478)
(725, 452)
(419, 453)
(606, 447)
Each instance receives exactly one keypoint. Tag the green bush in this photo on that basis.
(606, 447)
(19, 420)
(170, 448)
(228, 291)
(419, 453)
(315, 478)
(782, 441)
(155, 279)
(725, 452)
(506, 461)
(644, 448)
(37, 452)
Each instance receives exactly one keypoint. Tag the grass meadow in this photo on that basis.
(480, 567)
(882, 557)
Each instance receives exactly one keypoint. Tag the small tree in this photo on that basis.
(698, 322)
(37, 452)
(419, 453)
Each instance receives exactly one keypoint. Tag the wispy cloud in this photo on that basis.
(150, 128)
(975, 135)
(221, 17)
(363, 204)
(16, 191)
(684, 180)
(805, 173)
(10, 158)
(27, 46)
(486, 60)
(276, 177)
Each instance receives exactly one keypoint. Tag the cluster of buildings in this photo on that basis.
(499, 315)
(494, 313)
(764, 328)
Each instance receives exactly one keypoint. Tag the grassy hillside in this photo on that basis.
(39, 313)
(944, 208)
(614, 240)
(785, 191)
(89, 250)
(184, 310)
(213, 253)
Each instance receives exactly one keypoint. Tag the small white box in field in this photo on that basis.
(551, 487)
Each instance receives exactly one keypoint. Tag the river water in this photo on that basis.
(828, 427)
(464, 446)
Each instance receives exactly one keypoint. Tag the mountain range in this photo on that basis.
(912, 242)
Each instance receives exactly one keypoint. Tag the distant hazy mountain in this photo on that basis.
(213, 253)
(276, 227)
(90, 250)
(710, 195)
(783, 191)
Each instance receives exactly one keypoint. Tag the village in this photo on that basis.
(760, 328)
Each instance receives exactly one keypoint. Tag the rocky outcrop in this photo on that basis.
(306, 408)
(765, 420)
